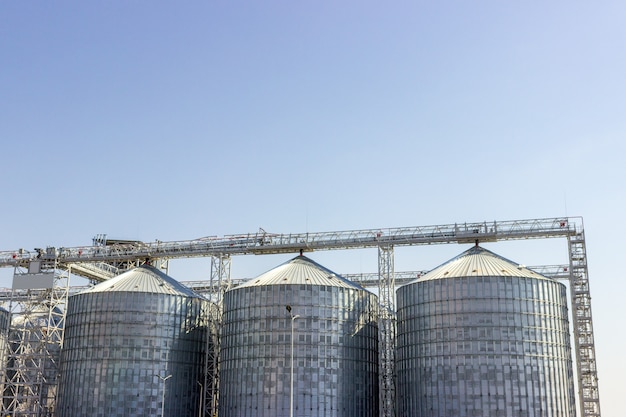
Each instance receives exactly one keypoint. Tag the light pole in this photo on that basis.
(293, 318)
(163, 378)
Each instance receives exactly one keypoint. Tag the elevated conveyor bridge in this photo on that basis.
(262, 242)
(105, 259)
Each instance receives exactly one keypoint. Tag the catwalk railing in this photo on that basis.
(263, 242)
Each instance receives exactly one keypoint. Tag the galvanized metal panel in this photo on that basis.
(145, 279)
(335, 349)
(484, 345)
(36, 281)
(118, 342)
(301, 270)
(5, 319)
(478, 261)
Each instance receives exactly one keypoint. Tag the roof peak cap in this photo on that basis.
(478, 261)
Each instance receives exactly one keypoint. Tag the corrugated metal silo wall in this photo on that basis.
(484, 346)
(335, 352)
(5, 321)
(116, 343)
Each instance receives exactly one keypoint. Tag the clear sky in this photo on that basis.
(176, 120)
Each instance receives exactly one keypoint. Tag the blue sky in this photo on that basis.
(158, 120)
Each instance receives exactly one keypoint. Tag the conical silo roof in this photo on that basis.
(478, 261)
(146, 279)
(301, 270)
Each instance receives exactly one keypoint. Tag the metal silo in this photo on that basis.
(335, 345)
(483, 336)
(134, 345)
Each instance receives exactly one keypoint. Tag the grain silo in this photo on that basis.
(483, 336)
(130, 343)
(335, 345)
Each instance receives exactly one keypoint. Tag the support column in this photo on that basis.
(588, 394)
(386, 330)
(220, 282)
(35, 339)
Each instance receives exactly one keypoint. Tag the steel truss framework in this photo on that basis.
(386, 330)
(103, 260)
(221, 282)
(588, 392)
(35, 341)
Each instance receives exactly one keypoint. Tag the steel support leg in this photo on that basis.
(588, 394)
(220, 279)
(386, 330)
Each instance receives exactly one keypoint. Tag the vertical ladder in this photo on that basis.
(588, 394)
(386, 331)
